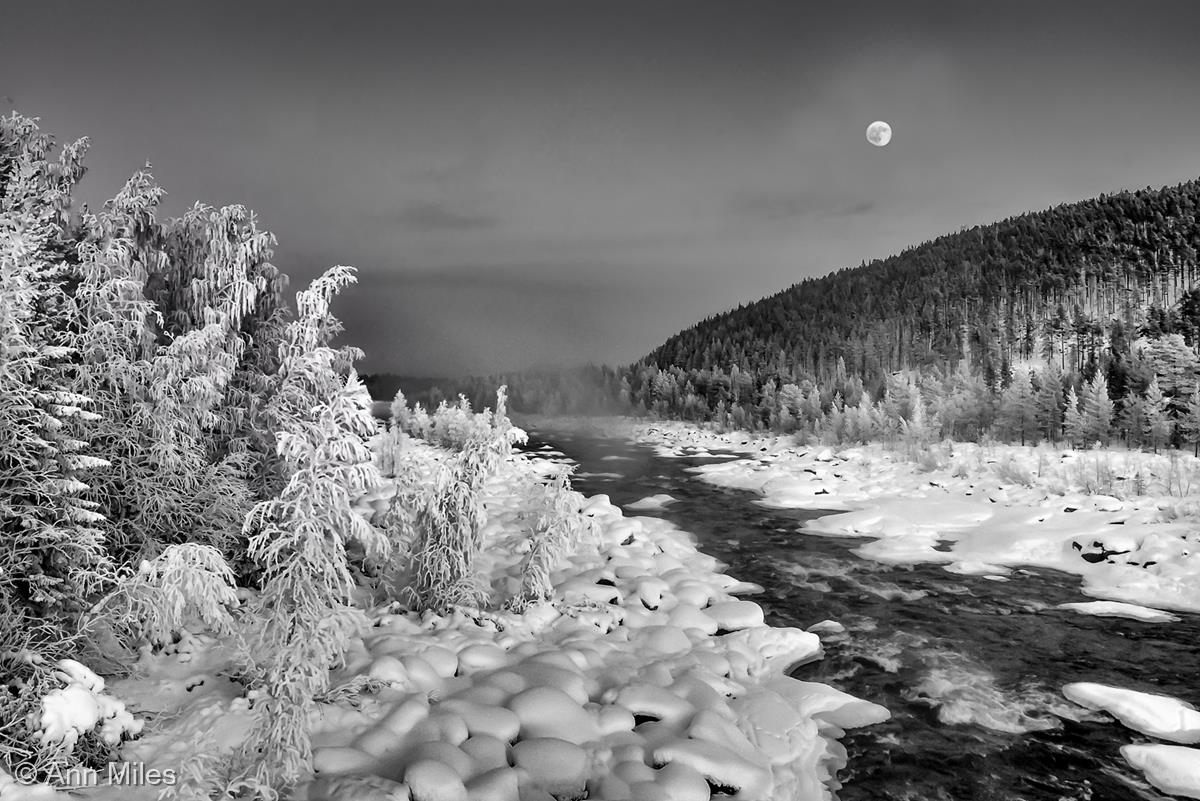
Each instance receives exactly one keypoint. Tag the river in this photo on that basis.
(971, 668)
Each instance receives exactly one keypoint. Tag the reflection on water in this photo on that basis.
(971, 669)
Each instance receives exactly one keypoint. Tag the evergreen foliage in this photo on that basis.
(305, 613)
(169, 430)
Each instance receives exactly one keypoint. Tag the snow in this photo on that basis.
(651, 503)
(1158, 716)
(1117, 519)
(644, 675)
(1118, 609)
(1174, 769)
(80, 707)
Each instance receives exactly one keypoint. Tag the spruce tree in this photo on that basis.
(1158, 422)
(1190, 421)
(1017, 415)
(1132, 419)
(51, 548)
(1074, 428)
(1097, 410)
(1050, 402)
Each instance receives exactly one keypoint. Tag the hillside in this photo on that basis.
(1057, 284)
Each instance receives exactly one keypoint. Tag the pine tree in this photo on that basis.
(1018, 414)
(1132, 419)
(1158, 422)
(1050, 402)
(1074, 428)
(1097, 410)
(1190, 422)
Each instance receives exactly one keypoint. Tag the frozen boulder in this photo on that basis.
(556, 766)
(545, 712)
(1174, 769)
(1156, 715)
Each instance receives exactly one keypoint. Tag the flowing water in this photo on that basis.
(971, 668)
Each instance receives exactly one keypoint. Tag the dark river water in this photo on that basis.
(971, 668)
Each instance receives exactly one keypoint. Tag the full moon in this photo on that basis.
(879, 133)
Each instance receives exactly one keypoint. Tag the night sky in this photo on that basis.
(542, 184)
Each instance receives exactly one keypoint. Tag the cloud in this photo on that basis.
(428, 216)
(788, 207)
(857, 209)
(522, 278)
(774, 207)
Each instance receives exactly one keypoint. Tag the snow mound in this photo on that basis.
(1120, 609)
(1173, 769)
(80, 707)
(651, 503)
(1155, 715)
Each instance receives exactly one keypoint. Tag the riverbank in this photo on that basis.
(1124, 522)
(645, 675)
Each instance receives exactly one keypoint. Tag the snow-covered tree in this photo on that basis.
(1074, 428)
(51, 548)
(158, 395)
(1097, 410)
(1017, 416)
(300, 538)
(1158, 423)
(1173, 362)
(1049, 402)
(1132, 418)
(1189, 423)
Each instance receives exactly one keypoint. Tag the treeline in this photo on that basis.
(588, 390)
(1158, 407)
(1059, 285)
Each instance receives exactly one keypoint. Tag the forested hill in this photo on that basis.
(1055, 285)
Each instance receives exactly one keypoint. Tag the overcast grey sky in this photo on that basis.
(530, 184)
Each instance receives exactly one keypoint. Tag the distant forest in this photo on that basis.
(1104, 287)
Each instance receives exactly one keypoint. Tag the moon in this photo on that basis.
(879, 133)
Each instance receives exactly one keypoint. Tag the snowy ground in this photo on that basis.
(1127, 523)
(645, 677)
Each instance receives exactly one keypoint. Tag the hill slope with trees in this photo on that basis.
(1061, 306)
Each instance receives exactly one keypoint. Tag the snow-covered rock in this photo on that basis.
(1155, 715)
(1174, 769)
(1119, 609)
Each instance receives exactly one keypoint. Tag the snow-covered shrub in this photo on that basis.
(932, 457)
(187, 586)
(304, 615)
(449, 521)
(1013, 471)
(558, 522)
(391, 443)
(448, 525)
(411, 468)
(82, 707)
(1094, 476)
